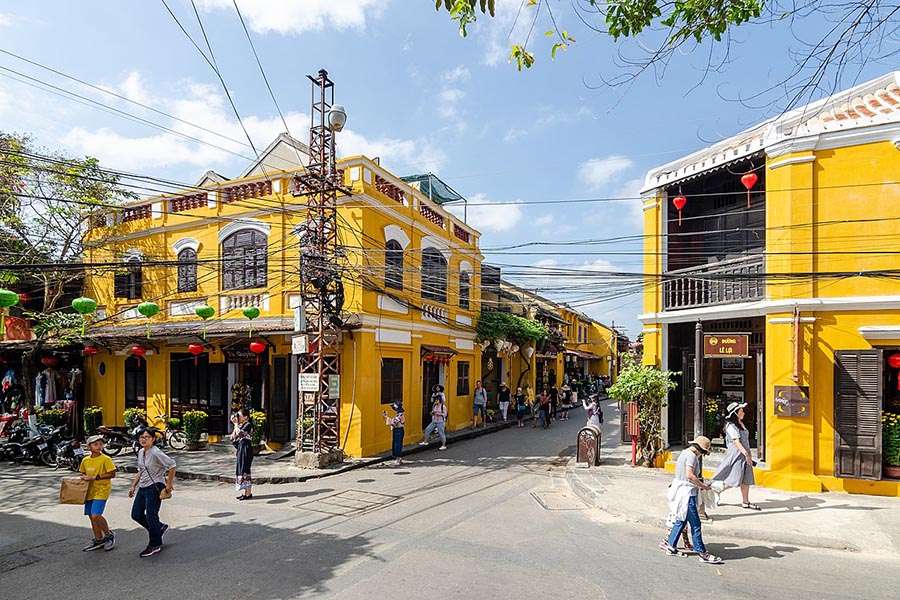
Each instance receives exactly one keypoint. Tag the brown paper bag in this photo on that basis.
(73, 490)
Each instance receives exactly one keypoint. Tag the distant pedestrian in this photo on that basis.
(554, 402)
(545, 409)
(503, 400)
(152, 483)
(682, 497)
(594, 413)
(521, 401)
(397, 424)
(99, 470)
(438, 417)
(479, 404)
(736, 468)
(564, 402)
(241, 439)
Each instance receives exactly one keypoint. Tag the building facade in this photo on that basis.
(408, 296)
(803, 263)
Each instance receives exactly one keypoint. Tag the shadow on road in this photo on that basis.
(735, 552)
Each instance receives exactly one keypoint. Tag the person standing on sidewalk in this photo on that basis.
(682, 497)
(736, 468)
(152, 483)
(479, 405)
(521, 407)
(545, 409)
(99, 470)
(554, 403)
(241, 437)
(503, 400)
(397, 424)
(438, 417)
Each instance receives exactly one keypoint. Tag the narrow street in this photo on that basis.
(491, 517)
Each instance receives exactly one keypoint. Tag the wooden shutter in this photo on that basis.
(391, 380)
(120, 285)
(136, 281)
(857, 413)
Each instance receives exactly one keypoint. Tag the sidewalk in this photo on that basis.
(216, 465)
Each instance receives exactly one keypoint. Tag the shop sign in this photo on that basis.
(309, 382)
(242, 354)
(726, 345)
(17, 329)
(299, 344)
(334, 386)
(792, 400)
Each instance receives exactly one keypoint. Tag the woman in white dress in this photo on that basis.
(736, 468)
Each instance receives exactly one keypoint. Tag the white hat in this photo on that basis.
(94, 438)
(734, 407)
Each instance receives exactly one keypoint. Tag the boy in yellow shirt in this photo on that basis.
(99, 469)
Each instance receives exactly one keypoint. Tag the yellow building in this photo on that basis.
(805, 266)
(410, 300)
(590, 345)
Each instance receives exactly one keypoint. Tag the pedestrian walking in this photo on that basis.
(545, 409)
(594, 412)
(554, 402)
(99, 470)
(152, 484)
(479, 405)
(241, 436)
(503, 399)
(682, 497)
(564, 401)
(736, 468)
(438, 417)
(397, 423)
(521, 401)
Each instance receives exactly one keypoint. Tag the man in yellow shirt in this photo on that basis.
(99, 469)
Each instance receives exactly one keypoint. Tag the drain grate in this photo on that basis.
(558, 500)
(348, 503)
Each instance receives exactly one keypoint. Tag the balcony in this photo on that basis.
(725, 282)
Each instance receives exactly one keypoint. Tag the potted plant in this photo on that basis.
(52, 417)
(134, 417)
(890, 443)
(92, 419)
(194, 425)
(258, 418)
(711, 416)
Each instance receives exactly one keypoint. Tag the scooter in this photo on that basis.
(39, 448)
(115, 439)
(69, 454)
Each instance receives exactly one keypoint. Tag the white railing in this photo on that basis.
(238, 301)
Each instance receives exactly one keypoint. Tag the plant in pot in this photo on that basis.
(134, 417)
(194, 425)
(52, 417)
(258, 418)
(711, 416)
(92, 419)
(890, 443)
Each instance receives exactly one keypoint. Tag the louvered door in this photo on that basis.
(857, 413)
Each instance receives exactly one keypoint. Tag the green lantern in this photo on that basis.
(84, 306)
(7, 298)
(204, 312)
(148, 309)
(251, 312)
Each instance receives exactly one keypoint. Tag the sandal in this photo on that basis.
(750, 506)
(710, 559)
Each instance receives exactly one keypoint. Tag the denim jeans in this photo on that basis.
(397, 442)
(145, 511)
(440, 429)
(694, 519)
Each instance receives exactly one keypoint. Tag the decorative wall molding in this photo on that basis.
(392, 336)
(394, 232)
(389, 304)
(185, 243)
(241, 224)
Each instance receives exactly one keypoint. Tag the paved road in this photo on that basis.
(489, 518)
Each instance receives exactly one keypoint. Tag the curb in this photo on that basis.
(594, 499)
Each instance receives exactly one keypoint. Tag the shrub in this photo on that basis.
(92, 419)
(52, 417)
(174, 423)
(890, 424)
(194, 425)
(258, 418)
(134, 417)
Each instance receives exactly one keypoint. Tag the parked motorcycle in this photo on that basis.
(11, 446)
(69, 454)
(116, 438)
(40, 448)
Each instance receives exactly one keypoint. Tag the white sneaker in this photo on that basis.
(423, 443)
(442, 448)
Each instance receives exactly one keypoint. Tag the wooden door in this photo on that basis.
(279, 409)
(430, 377)
(857, 413)
(687, 395)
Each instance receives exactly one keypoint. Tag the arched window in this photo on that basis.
(393, 265)
(244, 261)
(464, 290)
(129, 283)
(434, 275)
(187, 270)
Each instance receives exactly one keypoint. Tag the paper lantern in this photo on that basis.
(749, 180)
(251, 312)
(528, 351)
(90, 350)
(196, 350)
(138, 351)
(7, 298)
(257, 348)
(204, 312)
(894, 362)
(679, 202)
(84, 306)
(148, 309)
(49, 361)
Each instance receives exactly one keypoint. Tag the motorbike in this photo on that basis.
(117, 438)
(12, 445)
(39, 448)
(69, 454)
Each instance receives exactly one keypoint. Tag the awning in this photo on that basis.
(585, 355)
(542, 312)
(438, 351)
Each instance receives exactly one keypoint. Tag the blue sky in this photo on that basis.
(419, 96)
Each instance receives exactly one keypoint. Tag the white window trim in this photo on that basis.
(430, 241)
(465, 267)
(394, 232)
(132, 253)
(184, 244)
(240, 225)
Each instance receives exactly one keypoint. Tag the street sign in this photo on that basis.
(334, 386)
(309, 382)
(792, 400)
(299, 344)
(726, 345)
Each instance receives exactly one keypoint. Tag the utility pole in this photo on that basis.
(698, 379)
(321, 288)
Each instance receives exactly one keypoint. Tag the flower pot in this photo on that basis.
(196, 445)
(891, 472)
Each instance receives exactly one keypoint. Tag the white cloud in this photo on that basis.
(486, 216)
(451, 95)
(459, 73)
(5, 19)
(597, 172)
(133, 88)
(513, 134)
(296, 16)
(544, 220)
(509, 26)
(631, 189)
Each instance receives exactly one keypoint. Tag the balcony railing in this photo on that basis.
(726, 282)
(431, 215)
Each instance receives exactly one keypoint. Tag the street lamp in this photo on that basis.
(337, 118)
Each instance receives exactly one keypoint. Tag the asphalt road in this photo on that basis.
(489, 518)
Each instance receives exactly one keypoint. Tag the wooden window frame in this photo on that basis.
(245, 266)
(434, 275)
(463, 378)
(187, 270)
(392, 385)
(393, 265)
(465, 287)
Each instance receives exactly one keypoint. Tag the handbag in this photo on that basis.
(164, 494)
(73, 490)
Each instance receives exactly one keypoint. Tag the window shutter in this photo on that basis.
(120, 285)
(857, 413)
(135, 283)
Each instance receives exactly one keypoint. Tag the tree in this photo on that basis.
(649, 387)
(46, 204)
(854, 33)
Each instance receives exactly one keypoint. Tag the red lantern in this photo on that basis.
(196, 350)
(679, 202)
(23, 298)
(138, 351)
(894, 362)
(49, 361)
(257, 348)
(749, 180)
(90, 350)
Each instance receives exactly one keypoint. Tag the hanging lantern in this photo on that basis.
(251, 312)
(894, 363)
(138, 351)
(49, 361)
(7, 298)
(528, 351)
(90, 350)
(148, 309)
(196, 350)
(257, 348)
(204, 312)
(679, 202)
(749, 180)
(84, 306)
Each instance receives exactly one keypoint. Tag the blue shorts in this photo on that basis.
(478, 409)
(94, 508)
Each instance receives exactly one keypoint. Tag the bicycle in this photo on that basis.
(172, 437)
